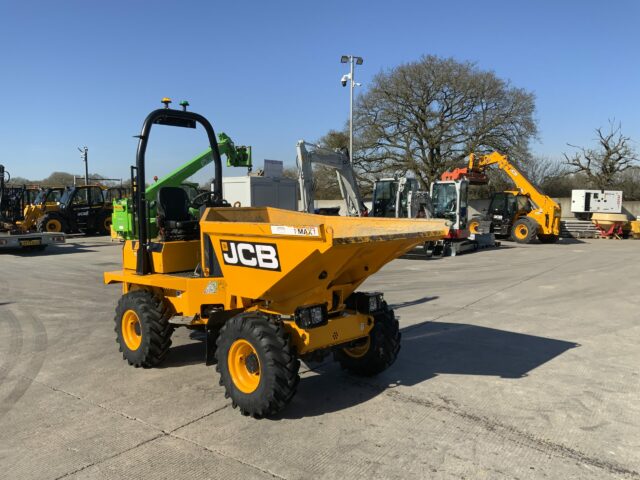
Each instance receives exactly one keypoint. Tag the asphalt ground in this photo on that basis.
(519, 362)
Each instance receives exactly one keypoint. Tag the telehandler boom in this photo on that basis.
(268, 286)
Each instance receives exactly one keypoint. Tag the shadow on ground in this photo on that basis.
(569, 241)
(417, 301)
(428, 349)
(418, 253)
(51, 250)
(193, 353)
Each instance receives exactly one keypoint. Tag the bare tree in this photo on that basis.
(540, 169)
(426, 116)
(602, 164)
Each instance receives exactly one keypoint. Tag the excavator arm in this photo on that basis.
(308, 154)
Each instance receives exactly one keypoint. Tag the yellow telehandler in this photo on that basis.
(269, 286)
(522, 214)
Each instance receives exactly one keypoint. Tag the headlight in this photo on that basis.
(309, 317)
(365, 302)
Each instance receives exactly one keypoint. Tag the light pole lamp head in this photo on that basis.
(358, 60)
(344, 59)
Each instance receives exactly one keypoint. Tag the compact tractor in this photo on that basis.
(268, 286)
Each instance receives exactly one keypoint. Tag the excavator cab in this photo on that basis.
(384, 198)
(399, 198)
(449, 200)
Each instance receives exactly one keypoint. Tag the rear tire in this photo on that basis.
(142, 329)
(258, 367)
(524, 230)
(378, 351)
(51, 222)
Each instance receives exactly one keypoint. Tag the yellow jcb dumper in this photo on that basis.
(269, 286)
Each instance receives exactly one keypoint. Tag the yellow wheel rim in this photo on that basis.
(360, 349)
(131, 330)
(54, 226)
(473, 227)
(244, 366)
(522, 231)
(107, 224)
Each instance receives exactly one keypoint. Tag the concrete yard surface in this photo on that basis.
(518, 362)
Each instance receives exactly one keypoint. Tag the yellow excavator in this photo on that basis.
(523, 213)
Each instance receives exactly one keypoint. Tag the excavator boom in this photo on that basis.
(308, 154)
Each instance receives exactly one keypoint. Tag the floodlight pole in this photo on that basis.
(351, 110)
(85, 158)
(353, 61)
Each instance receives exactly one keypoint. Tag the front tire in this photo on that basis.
(524, 230)
(258, 367)
(51, 222)
(142, 329)
(378, 351)
(104, 224)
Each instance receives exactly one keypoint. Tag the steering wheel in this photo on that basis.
(201, 199)
(206, 199)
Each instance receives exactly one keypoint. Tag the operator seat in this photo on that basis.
(174, 220)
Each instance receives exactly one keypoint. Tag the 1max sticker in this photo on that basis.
(250, 254)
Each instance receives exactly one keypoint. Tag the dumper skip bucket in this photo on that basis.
(289, 259)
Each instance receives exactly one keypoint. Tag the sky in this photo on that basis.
(77, 72)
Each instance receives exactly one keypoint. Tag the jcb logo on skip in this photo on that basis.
(250, 254)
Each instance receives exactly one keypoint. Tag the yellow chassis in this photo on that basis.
(188, 296)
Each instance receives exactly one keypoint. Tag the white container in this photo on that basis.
(597, 201)
(279, 192)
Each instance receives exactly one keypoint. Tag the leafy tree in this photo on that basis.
(426, 116)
